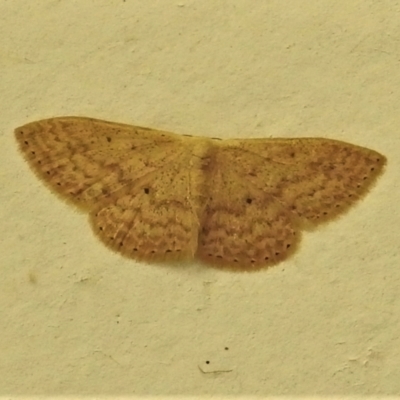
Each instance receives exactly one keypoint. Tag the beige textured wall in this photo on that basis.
(78, 319)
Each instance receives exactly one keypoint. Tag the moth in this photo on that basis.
(158, 196)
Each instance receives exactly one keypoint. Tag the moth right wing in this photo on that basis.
(262, 192)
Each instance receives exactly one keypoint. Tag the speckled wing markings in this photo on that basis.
(156, 221)
(134, 182)
(158, 196)
(263, 192)
(314, 178)
(88, 160)
(242, 226)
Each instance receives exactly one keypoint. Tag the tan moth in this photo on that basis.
(158, 196)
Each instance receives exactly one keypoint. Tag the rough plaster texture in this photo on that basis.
(77, 319)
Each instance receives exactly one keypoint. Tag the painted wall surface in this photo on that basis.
(77, 319)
